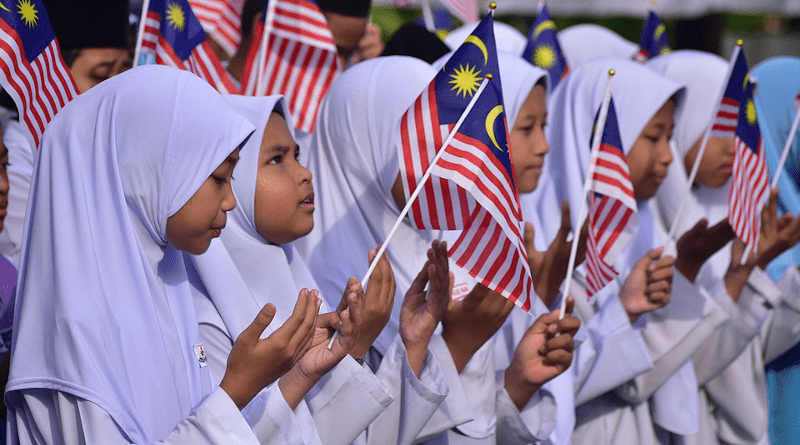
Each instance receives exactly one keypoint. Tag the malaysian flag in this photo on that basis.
(724, 124)
(292, 54)
(612, 207)
(31, 67)
(750, 183)
(543, 49)
(653, 41)
(472, 185)
(221, 20)
(174, 37)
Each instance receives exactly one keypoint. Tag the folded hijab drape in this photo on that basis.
(242, 259)
(776, 106)
(104, 311)
(587, 41)
(354, 162)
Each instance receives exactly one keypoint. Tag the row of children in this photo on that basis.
(129, 311)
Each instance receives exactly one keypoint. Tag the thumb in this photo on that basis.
(543, 322)
(252, 333)
(648, 258)
(528, 236)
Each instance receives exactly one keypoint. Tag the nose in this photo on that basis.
(229, 200)
(665, 152)
(303, 174)
(3, 181)
(542, 146)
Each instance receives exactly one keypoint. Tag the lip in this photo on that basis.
(308, 202)
(217, 230)
(3, 211)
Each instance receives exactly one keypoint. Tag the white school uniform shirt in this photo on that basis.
(572, 112)
(354, 163)
(99, 287)
(242, 271)
(763, 322)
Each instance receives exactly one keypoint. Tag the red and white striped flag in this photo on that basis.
(472, 185)
(612, 207)
(222, 20)
(292, 54)
(724, 124)
(750, 180)
(31, 67)
(174, 37)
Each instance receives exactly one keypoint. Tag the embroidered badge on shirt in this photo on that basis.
(200, 353)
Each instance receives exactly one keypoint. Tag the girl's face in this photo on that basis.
(284, 202)
(717, 163)
(650, 155)
(527, 141)
(203, 217)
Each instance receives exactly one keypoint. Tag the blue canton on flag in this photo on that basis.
(750, 180)
(472, 186)
(653, 40)
(31, 68)
(727, 116)
(543, 49)
(612, 207)
(174, 36)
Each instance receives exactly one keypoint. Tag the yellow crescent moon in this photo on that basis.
(479, 43)
(4, 7)
(549, 24)
(490, 118)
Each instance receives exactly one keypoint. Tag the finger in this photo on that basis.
(306, 329)
(356, 309)
(662, 274)
(564, 342)
(559, 358)
(568, 325)
(569, 307)
(645, 261)
(528, 237)
(543, 322)
(566, 222)
(298, 314)
(252, 333)
(658, 299)
(352, 281)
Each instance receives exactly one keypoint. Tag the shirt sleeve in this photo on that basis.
(50, 417)
(415, 399)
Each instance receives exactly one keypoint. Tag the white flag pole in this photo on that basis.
(140, 34)
(706, 135)
(598, 133)
(786, 147)
(427, 15)
(420, 185)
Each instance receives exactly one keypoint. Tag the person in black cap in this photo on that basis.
(355, 38)
(93, 37)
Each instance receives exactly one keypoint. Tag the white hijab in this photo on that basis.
(587, 41)
(354, 162)
(104, 311)
(507, 38)
(242, 259)
(704, 76)
(638, 94)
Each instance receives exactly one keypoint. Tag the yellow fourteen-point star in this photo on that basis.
(175, 16)
(28, 13)
(465, 80)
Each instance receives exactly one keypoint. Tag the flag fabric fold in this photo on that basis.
(612, 207)
(543, 49)
(31, 68)
(292, 54)
(654, 40)
(750, 180)
(174, 37)
(472, 185)
(221, 19)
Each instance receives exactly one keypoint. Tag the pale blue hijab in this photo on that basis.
(778, 86)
